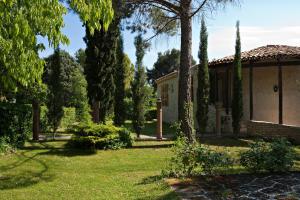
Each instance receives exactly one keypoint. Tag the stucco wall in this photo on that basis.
(265, 100)
(170, 112)
(291, 95)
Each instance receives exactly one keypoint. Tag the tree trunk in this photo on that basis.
(95, 111)
(184, 93)
(36, 120)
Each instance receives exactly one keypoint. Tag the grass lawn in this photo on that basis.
(48, 170)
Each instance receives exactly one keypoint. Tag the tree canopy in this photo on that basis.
(23, 21)
(166, 63)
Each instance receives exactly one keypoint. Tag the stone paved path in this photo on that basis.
(242, 187)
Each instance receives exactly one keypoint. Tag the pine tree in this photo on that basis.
(119, 106)
(237, 99)
(203, 81)
(99, 69)
(139, 87)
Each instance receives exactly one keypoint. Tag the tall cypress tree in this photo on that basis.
(99, 69)
(139, 86)
(119, 107)
(203, 81)
(237, 99)
(55, 100)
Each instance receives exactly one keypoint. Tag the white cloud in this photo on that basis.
(222, 39)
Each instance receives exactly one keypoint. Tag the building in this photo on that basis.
(271, 88)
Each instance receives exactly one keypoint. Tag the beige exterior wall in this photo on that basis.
(291, 95)
(170, 112)
(265, 100)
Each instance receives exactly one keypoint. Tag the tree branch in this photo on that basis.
(199, 8)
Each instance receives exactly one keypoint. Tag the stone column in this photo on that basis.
(218, 118)
(159, 119)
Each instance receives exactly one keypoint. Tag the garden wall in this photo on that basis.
(268, 129)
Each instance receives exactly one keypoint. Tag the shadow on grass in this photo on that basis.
(150, 146)
(169, 196)
(19, 178)
(150, 128)
(62, 150)
(225, 142)
(151, 179)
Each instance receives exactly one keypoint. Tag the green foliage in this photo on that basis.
(5, 147)
(69, 82)
(69, 117)
(192, 158)
(129, 74)
(23, 21)
(139, 87)
(151, 114)
(100, 136)
(211, 161)
(99, 66)
(15, 123)
(203, 81)
(237, 97)
(54, 80)
(119, 105)
(92, 129)
(166, 63)
(44, 123)
(275, 156)
(78, 96)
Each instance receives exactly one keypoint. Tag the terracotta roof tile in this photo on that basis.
(264, 52)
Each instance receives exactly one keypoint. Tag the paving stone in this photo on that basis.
(243, 187)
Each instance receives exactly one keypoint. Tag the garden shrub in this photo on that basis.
(151, 114)
(275, 156)
(254, 158)
(5, 147)
(281, 156)
(15, 123)
(44, 124)
(191, 159)
(69, 117)
(92, 129)
(212, 161)
(100, 136)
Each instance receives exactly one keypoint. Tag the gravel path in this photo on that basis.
(242, 187)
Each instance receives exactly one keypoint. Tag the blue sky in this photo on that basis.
(262, 22)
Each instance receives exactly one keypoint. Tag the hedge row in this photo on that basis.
(15, 123)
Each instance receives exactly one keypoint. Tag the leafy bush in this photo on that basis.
(254, 159)
(69, 117)
(281, 156)
(15, 123)
(44, 125)
(151, 114)
(5, 147)
(191, 159)
(275, 156)
(125, 137)
(92, 129)
(100, 136)
(212, 161)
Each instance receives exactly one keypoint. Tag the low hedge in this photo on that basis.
(276, 156)
(15, 123)
(94, 136)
